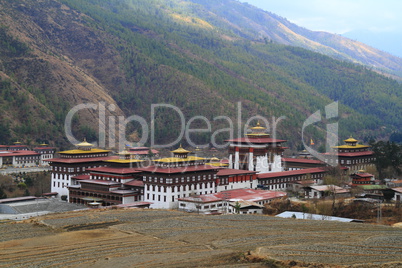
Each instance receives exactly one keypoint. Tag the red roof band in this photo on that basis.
(155, 169)
(256, 140)
(290, 173)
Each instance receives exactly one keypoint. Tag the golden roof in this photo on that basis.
(357, 146)
(258, 134)
(258, 127)
(124, 152)
(214, 159)
(78, 151)
(217, 164)
(178, 159)
(124, 161)
(351, 140)
(258, 131)
(84, 144)
(181, 150)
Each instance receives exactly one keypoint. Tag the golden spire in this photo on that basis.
(181, 150)
(84, 144)
(351, 139)
(258, 131)
(258, 127)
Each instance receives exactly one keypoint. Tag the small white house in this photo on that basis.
(250, 201)
(397, 194)
(323, 191)
(207, 203)
(245, 207)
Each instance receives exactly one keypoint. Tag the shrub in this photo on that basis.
(22, 186)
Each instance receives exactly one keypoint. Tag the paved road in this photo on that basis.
(26, 170)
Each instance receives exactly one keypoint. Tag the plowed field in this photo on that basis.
(152, 238)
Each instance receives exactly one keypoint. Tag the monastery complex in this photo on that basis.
(254, 173)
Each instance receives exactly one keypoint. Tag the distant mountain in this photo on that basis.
(200, 56)
(257, 24)
(388, 42)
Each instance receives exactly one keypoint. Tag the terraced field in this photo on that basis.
(152, 238)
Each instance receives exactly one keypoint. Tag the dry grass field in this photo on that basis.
(156, 238)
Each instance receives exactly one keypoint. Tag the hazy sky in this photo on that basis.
(338, 16)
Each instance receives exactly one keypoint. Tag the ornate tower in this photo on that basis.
(257, 151)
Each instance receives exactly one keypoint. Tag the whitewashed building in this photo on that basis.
(231, 179)
(323, 191)
(397, 194)
(250, 201)
(257, 151)
(21, 158)
(45, 152)
(283, 180)
(176, 177)
(75, 162)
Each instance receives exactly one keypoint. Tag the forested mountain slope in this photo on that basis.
(55, 54)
